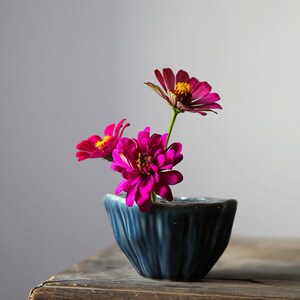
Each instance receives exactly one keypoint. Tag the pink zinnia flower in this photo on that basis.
(143, 163)
(95, 146)
(184, 93)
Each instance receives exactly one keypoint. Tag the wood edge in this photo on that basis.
(31, 295)
(44, 290)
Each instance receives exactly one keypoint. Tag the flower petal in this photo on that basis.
(193, 82)
(86, 146)
(130, 174)
(94, 139)
(169, 78)
(130, 197)
(201, 89)
(172, 99)
(120, 162)
(144, 189)
(144, 134)
(146, 206)
(164, 191)
(163, 140)
(120, 128)
(143, 140)
(120, 187)
(170, 155)
(206, 106)
(170, 177)
(182, 76)
(98, 153)
(129, 150)
(82, 155)
(157, 90)
(160, 78)
(132, 184)
(177, 147)
(109, 130)
(161, 160)
(210, 98)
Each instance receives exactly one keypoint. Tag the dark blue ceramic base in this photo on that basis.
(181, 240)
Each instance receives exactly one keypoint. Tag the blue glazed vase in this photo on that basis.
(181, 240)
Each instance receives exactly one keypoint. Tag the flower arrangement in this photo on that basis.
(146, 163)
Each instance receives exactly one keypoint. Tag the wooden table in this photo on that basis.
(249, 269)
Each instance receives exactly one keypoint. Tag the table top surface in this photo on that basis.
(248, 269)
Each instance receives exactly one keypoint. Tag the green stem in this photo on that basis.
(175, 113)
(153, 196)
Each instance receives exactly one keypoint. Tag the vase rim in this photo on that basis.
(179, 201)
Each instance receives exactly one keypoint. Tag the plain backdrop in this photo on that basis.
(69, 68)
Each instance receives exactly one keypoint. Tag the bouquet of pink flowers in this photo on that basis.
(146, 163)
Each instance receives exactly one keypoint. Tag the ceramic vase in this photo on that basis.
(178, 240)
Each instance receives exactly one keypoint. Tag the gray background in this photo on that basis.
(69, 68)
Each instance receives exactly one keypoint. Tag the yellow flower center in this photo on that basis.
(100, 144)
(183, 93)
(182, 89)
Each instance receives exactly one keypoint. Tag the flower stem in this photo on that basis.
(175, 113)
(153, 196)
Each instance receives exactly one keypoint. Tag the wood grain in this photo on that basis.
(249, 269)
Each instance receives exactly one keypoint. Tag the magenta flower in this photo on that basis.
(146, 166)
(96, 147)
(184, 93)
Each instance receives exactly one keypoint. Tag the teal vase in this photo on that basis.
(179, 240)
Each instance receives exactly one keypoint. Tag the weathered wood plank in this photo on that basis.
(249, 269)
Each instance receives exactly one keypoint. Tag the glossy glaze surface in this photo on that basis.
(181, 240)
